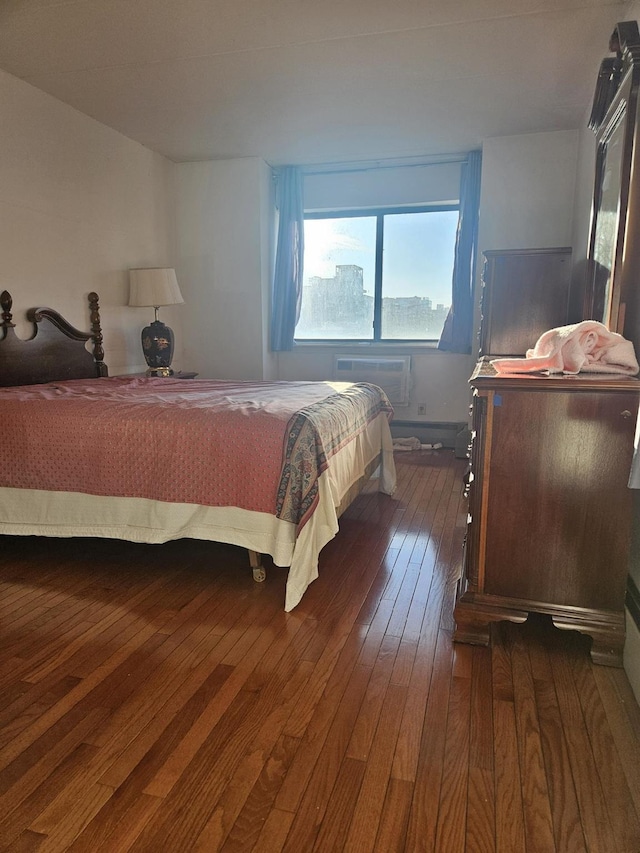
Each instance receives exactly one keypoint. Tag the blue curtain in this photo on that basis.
(458, 327)
(287, 280)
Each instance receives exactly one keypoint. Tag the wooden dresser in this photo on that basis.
(549, 509)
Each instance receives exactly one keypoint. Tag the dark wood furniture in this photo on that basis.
(525, 292)
(549, 511)
(55, 352)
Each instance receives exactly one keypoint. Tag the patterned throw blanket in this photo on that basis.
(258, 446)
(313, 436)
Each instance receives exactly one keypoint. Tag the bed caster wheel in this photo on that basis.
(259, 574)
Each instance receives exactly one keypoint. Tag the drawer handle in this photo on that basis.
(626, 413)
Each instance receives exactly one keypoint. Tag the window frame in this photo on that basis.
(378, 213)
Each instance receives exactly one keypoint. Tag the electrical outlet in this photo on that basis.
(422, 409)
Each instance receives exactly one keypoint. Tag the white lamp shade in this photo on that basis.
(155, 286)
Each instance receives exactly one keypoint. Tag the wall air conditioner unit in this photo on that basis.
(391, 373)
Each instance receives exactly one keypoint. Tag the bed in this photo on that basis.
(267, 466)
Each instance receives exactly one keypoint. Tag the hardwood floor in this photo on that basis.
(156, 699)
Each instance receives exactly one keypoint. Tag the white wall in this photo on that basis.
(223, 216)
(527, 194)
(79, 205)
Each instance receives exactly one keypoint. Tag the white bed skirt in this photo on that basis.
(30, 512)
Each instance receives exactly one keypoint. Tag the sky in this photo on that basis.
(418, 251)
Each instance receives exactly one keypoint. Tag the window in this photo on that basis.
(377, 276)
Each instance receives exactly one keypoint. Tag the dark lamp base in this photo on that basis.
(157, 346)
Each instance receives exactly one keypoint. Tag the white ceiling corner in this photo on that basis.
(309, 81)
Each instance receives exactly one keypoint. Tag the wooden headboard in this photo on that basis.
(55, 352)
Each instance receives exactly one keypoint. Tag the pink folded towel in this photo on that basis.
(588, 346)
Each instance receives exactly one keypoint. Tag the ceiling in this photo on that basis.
(313, 81)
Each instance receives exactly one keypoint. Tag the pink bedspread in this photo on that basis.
(258, 446)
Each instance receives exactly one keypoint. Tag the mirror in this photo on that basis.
(606, 220)
(610, 292)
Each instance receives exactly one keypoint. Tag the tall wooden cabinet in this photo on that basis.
(525, 292)
(549, 510)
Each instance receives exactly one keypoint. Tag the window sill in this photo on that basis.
(369, 346)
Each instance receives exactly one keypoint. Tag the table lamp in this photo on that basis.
(152, 288)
